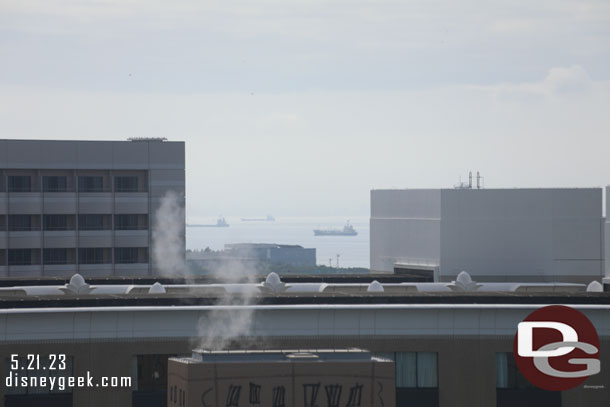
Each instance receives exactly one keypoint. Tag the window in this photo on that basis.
(94, 222)
(23, 222)
(130, 222)
(94, 255)
(151, 372)
(512, 389)
(507, 373)
(19, 183)
(416, 369)
(54, 183)
(149, 380)
(2, 222)
(57, 256)
(416, 378)
(129, 255)
(20, 257)
(57, 222)
(125, 184)
(91, 184)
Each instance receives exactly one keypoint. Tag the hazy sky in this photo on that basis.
(301, 107)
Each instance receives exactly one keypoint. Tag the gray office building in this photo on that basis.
(84, 206)
(538, 234)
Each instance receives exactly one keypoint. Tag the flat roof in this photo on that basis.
(278, 355)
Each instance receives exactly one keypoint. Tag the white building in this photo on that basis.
(83, 206)
(493, 234)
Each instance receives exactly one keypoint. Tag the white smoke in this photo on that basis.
(231, 319)
(168, 236)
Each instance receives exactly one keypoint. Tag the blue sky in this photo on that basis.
(301, 107)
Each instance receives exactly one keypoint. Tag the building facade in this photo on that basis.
(279, 378)
(454, 351)
(255, 256)
(607, 239)
(84, 206)
(493, 234)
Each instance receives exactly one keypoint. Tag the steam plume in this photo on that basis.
(232, 319)
(168, 236)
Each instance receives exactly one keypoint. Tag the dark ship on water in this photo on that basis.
(348, 230)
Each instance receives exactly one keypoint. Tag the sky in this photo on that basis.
(302, 107)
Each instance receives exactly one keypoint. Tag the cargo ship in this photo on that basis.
(269, 218)
(220, 223)
(348, 230)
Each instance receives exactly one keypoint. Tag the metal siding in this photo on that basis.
(404, 226)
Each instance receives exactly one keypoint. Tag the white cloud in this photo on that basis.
(304, 105)
(560, 82)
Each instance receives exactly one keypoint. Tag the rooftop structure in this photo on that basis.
(296, 378)
(443, 337)
(273, 286)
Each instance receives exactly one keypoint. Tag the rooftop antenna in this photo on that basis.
(478, 180)
(463, 185)
(469, 179)
(330, 262)
(337, 265)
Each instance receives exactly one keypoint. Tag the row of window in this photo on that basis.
(420, 370)
(68, 222)
(86, 255)
(86, 183)
(414, 369)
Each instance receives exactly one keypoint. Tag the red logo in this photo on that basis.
(556, 348)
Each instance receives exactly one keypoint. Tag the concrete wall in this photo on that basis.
(493, 234)
(405, 227)
(522, 234)
(159, 167)
(281, 383)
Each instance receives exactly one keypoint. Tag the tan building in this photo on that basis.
(274, 378)
(83, 206)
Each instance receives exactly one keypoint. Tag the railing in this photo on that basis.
(66, 189)
(38, 189)
(24, 229)
(58, 262)
(144, 227)
(20, 189)
(94, 189)
(23, 263)
(73, 189)
(94, 261)
(100, 228)
(125, 189)
(58, 228)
